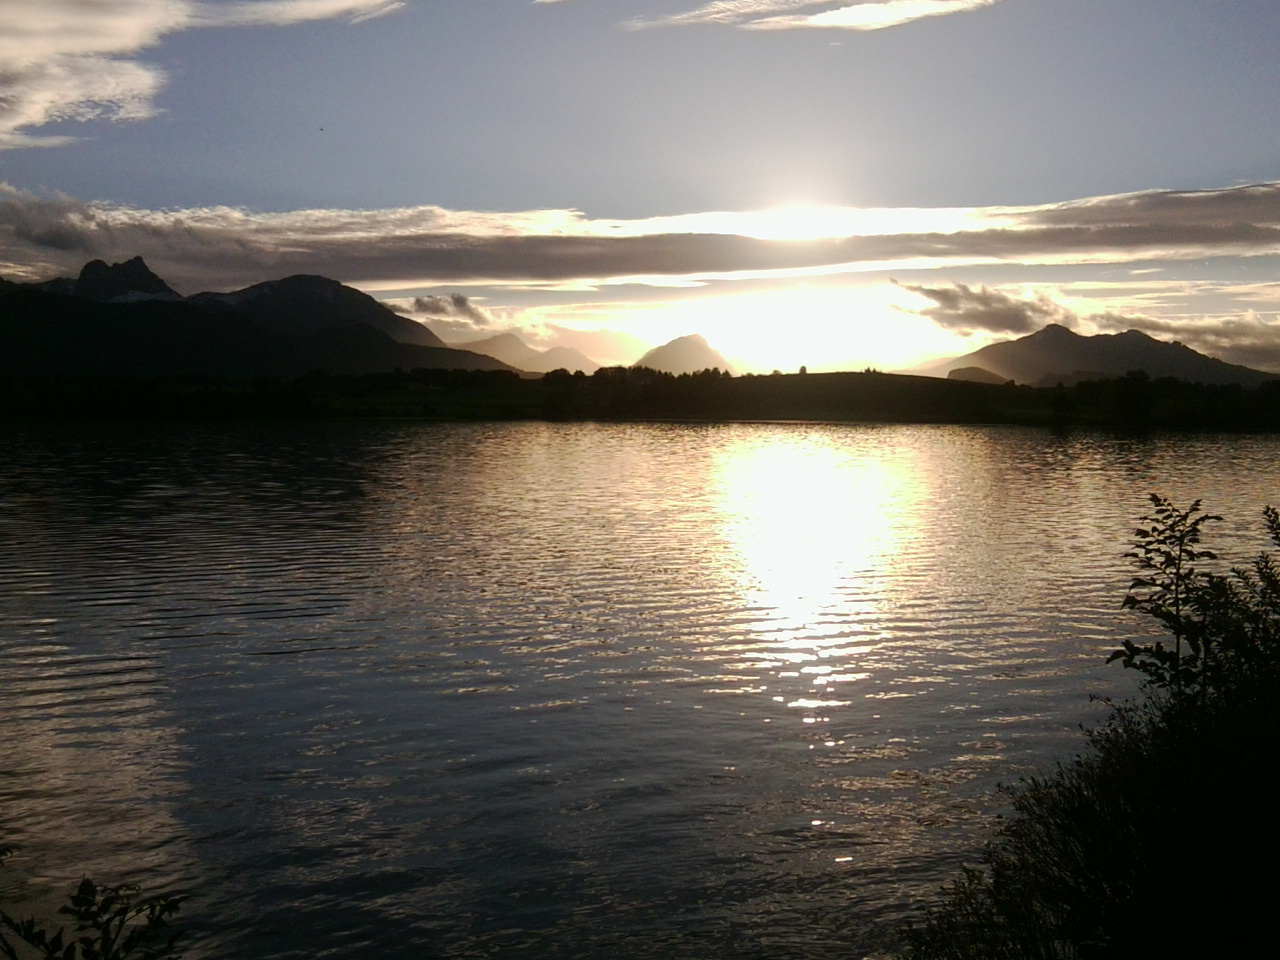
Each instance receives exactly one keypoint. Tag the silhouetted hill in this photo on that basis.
(684, 355)
(566, 358)
(46, 334)
(509, 348)
(51, 335)
(975, 375)
(121, 282)
(110, 283)
(356, 348)
(1058, 354)
(124, 321)
(506, 347)
(302, 304)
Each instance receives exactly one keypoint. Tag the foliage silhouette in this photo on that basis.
(1167, 551)
(1228, 623)
(1159, 838)
(111, 923)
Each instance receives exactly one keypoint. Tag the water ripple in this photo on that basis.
(537, 690)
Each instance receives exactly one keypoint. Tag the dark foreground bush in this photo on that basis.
(108, 923)
(1162, 838)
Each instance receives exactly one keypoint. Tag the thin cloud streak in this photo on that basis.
(223, 248)
(73, 59)
(778, 15)
(871, 16)
(725, 12)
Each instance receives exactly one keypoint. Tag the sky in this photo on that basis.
(836, 184)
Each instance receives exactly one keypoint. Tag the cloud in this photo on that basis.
(967, 310)
(454, 305)
(453, 315)
(726, 12)
(225, 248)
(871, 16)
(74, 59)
(280, 13)
(779, 15)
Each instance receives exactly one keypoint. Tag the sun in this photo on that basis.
(818, 326)
(801, 223)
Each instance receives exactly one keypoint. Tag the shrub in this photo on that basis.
(1229, 625)
(1159, 839)
(111, 923)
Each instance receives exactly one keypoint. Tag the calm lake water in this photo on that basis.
(529, 690)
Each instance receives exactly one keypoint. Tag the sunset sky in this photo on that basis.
(830, 183)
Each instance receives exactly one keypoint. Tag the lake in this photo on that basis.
(416, 690)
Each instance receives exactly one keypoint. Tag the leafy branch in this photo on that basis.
(1223, 626)
(111, 923)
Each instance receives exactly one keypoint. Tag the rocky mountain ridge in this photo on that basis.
(123, 320)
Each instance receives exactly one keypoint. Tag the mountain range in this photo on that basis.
(123, 320)
(509, 348)
(1058, 355)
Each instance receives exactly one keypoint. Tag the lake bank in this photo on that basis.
(619, 393)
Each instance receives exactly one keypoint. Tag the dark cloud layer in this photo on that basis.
(222, 248)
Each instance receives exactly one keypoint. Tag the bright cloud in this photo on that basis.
(74, 59)
(871, 16)
(781, 15)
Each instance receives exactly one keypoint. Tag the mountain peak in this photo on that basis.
(688, 354)
(1055, 331)
(131, 280)
(507, 337)
(303, 304)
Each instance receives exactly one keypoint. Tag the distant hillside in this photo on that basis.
(684, 355)
(1056, 354)
(975, 375)
(509, 348)
(121, 320)
(302, 304)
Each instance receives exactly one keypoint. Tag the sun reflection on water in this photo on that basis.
(812, 520)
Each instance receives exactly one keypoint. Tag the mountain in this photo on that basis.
(975, 375)
(509, 348)
(122, 282)
(684, 355)
(303, 304)
(124, 321)
(566, 358)
(127, 282)
(1056, 354)
(46, 334)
